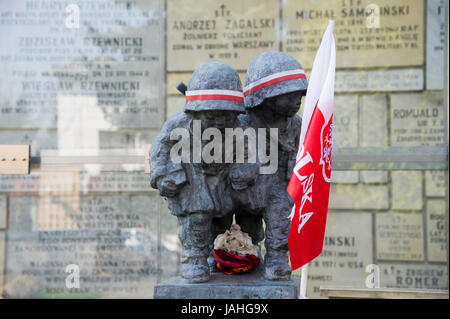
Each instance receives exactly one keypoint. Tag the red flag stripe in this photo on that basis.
(215, 97)
(273, 81)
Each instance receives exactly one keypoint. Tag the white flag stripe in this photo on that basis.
(326, 104)
(273, 76)
(214, 92)
(320, 70)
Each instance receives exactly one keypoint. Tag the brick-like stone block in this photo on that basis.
(373, 130)
(175, 104)
(359, 197)
(345, 177)
(407, 190)
(373, 177)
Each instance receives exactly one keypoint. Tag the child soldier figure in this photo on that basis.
(197, 191)
(275, 85)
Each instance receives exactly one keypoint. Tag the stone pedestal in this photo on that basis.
(222, 286)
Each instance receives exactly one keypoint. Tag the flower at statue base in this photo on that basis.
(235, 252)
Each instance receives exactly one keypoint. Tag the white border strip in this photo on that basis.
(215, 92)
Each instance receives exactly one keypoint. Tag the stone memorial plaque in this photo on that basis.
(417, 119)
(435, 43)
(346, 252)
(436, 230)
(133, 181)
(113, 53)
(127, 140)
(359, 196)
(73, 182)
(230, 31)
(373, 130)
(362, 39)
(59, 182)
(41, 182)
(379, 80)
(399, 236)
(407, 190)
(112, 242)
(19, 183)
(435, 183)
(3, 211)
(413, 276)
(72, 212)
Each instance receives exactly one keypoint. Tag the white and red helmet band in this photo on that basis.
(227, 95)
(272, 79)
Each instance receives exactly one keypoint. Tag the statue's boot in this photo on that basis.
(194, 236)
(276, 218)
(195, 270)
(276, 265)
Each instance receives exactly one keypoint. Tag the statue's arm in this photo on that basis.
(166, 175)
(297, 127)
(244, 175)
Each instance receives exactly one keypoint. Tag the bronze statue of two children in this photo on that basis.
(230, 153)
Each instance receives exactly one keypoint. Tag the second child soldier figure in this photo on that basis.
(275, 85)
(197, 191)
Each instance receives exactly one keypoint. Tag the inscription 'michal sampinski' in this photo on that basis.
(352, 12)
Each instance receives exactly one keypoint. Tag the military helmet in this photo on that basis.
(271, 74)
(214, 86)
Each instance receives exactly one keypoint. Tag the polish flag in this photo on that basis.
(309, 185)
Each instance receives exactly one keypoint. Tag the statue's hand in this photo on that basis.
(168, 188)
(243, 176)
(239, 185)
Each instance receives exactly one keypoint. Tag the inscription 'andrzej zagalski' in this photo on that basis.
(220, 31)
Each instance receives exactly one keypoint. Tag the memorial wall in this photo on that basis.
(97, 76)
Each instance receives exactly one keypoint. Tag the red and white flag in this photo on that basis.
(309, 185)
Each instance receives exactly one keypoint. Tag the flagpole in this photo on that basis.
(303, 282)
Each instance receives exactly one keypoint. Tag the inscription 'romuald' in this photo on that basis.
(417, 119)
